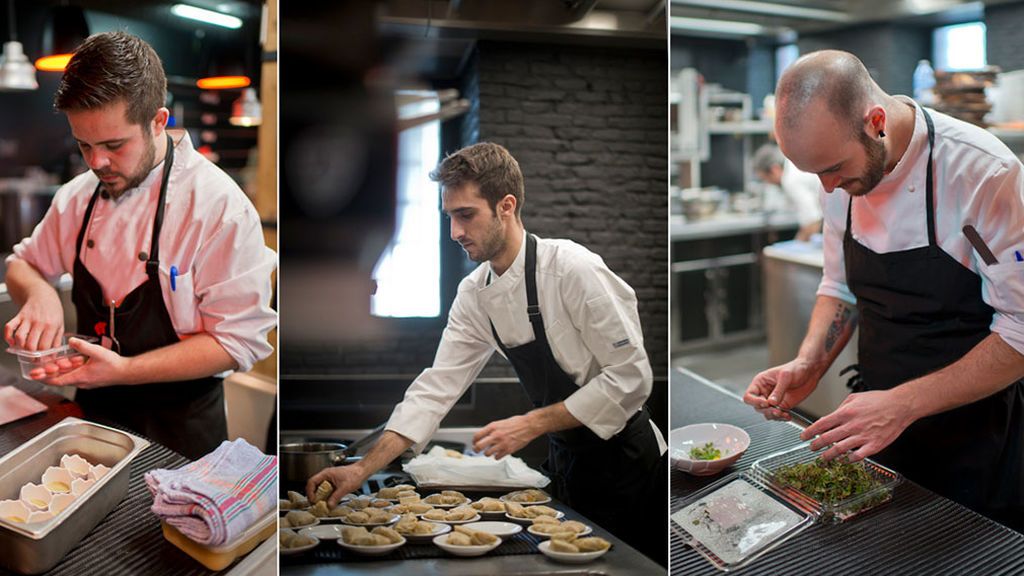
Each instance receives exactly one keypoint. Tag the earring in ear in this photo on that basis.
(881, 133)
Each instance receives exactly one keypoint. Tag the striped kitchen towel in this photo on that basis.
(219, 496)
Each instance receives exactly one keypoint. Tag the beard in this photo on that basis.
(874, 170)
(136, 176)
(491, 244)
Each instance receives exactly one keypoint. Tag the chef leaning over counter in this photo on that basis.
(941, 348)
(170, 270)
(570, 329)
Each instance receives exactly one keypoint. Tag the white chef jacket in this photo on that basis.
(804, 190)
(978, 181)
(590, 316)
(211, 232)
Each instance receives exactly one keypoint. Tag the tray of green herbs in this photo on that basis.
(838, 489)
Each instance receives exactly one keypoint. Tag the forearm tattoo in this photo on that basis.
(838, 327)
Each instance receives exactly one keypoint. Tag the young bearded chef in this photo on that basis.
(166, 252)
(569, 327)
(941, 346)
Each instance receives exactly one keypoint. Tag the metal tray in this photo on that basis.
(37, 547)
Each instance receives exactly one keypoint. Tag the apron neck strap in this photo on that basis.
(532, 306)
(153, 263)
(929, 189)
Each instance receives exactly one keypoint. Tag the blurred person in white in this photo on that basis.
(569, 327)
(170, 270)
(939, 395)
(803, 189)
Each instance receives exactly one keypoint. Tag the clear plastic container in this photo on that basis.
(737, 519)
(220, 557)
(37, 364)
(886, 481)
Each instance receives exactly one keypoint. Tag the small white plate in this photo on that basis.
(372, 550)
(497, 515)
(323, 532)
(543, 536)
(454, 522)
(298, 550)
(439, 529)
(394, 518)
(465, 501)
(503, 529)
(439, 541)
(529, 521)
(569, 557)
(733, 441)
(506, 498)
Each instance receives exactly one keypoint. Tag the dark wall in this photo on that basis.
(722, 62)
(890, 52)
(1005, 46)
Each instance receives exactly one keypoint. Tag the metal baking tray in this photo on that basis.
(37, 547)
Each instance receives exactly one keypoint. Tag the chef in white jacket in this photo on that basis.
(803, 189)
(569, 327)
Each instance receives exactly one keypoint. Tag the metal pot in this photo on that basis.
(301, 460)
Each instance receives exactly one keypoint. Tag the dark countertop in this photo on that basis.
(918, 532)
(129, 541)
(621, 560)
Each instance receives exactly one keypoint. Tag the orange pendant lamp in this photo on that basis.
(66, 28)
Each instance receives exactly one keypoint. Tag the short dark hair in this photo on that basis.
(110, 67)
(490, 166)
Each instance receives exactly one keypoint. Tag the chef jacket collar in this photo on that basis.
(511, 276)
(895, 181)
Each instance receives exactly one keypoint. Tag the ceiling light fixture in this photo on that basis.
(16, 72)
(207, 16)
(66, 28)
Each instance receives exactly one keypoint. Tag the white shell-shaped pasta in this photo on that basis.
(60, 502)
(78, 466)
(39, 516)
(80, 486)
(14, 511)
(57, 480)
(35, 496)
(98, 471)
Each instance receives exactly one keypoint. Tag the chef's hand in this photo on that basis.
(345, 479)
(864, 424)
(784, 386)
(503, 437)
(39, 324)
(101, 367)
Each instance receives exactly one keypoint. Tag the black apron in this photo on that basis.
(920, 311)
(618, 483)
(188, 416)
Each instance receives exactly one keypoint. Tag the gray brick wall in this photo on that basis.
(589, 129)
(1005, 44)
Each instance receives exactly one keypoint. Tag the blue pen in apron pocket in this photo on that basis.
(174, 276)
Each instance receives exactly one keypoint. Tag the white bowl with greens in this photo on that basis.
(707, 449)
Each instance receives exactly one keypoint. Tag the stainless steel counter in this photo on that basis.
(728, 225)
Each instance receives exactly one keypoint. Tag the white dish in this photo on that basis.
(372, 550)
(529, 521)
(299, 549)
(323, 532)
(316, 522)
(586, 531)
(569, 557)
(465, 502)
(439, 541)
(503, 529)
(731, 440)
(439, 528)
(394, 518)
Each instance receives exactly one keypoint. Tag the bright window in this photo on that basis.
(408, 274)
(959, 47)
(784, 56)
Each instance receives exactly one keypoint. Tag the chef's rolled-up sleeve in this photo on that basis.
(833, 277)
(1000, 222)
(603, 308)
(461, 355)
(233, 285)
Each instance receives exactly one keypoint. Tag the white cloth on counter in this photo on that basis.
(211, 233)
(436, 468)
(218, 497)
(978, 181)
(590, 316)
